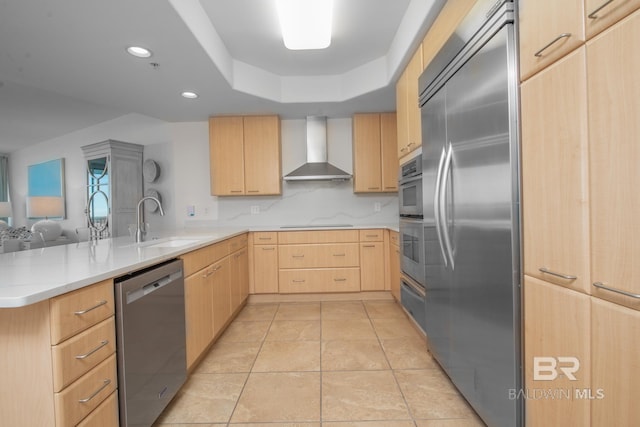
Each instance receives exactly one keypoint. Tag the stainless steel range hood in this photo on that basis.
(317, 168)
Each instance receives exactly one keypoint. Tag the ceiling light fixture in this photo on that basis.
(189, 95)
(305, 24)
(139, 52)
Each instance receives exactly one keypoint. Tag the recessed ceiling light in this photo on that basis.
(189, 95)
(139, 52)
(305, 24)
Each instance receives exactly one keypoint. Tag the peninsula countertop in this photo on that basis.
(28, 277)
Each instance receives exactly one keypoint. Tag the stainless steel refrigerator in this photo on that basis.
(470, 149)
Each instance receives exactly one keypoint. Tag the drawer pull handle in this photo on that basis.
(81, 312)
(297, 256)
(253, 191)
(84, 356)
(339, 254)
(207, 274)
(538, 54)
(216, 268)
(268, 249)
(553, 273)
(340, 280)
(236, 191)
(372, 235)
(298, 280)
(105, 384)
(594, 14)
(264, 238)
(618, 291)
(368, 246)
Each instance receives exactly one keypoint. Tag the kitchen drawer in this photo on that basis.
(319, 280)
(200, 258)
(326, 255)
(324, 236)
(105, 415)
(83, 396)
(76, 311)
(394, 238)
(238, 242)
(79, 354)
(265, 237)
(373, 235)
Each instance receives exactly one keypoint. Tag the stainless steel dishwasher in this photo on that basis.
(151, 341)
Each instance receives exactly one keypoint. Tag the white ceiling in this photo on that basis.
(63, 65)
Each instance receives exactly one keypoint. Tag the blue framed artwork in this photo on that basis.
(46, 179)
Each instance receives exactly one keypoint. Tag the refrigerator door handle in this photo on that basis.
(436, 205)
(442, 204)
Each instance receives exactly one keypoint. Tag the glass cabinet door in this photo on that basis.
(98, 196)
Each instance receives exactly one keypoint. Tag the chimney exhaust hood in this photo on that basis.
(317, 168)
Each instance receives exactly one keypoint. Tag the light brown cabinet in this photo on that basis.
(601, 14)
(549, 29)
(555, 178)
(394, 264)
(372, 260)
(245, 155)
(557, 328)
(407, 108)
(265, 262)
(613, 64)
(375, 163)
(615, 370)
(216, 285)
(39, 344)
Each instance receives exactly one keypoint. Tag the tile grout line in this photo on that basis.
(252, 365)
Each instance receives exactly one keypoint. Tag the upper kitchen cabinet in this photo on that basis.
(245, 155)
(549, 29)
(375, 164)
(601, 14)
(408, 111)
(555, 177)
(613, 66)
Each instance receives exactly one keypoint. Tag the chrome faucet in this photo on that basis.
(140, 231)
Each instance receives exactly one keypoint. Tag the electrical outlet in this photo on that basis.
(376, 207)
(255, 210)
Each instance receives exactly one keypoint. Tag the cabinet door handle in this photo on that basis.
(618, 291)
(297, 256)
(268, 249)
(236, 191)
(298, 280)
(339, 254)
(538, 54)
(594, 14)
(90, 352)
(373, 188)
(253, 191)
(341, 279)
(86, 310)
(105, 384)
(553, 273)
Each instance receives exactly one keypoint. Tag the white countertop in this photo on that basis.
(31, 276)
(27, 277)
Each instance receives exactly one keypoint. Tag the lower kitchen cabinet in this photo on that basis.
(42, 379)
(265, 263)
(239, 264)
(616, 364)
(556, 337)
(198, 312)
(372, 260)
(394, 264)
(221, 283)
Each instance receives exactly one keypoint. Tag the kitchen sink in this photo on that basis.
(172, 243)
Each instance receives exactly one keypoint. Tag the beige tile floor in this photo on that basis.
(329, 364)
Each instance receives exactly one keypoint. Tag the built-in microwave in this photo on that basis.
(410, 191)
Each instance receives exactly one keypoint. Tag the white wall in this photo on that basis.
(182, 152)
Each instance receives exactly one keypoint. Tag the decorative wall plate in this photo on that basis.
(150, 204)
(150, 170)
